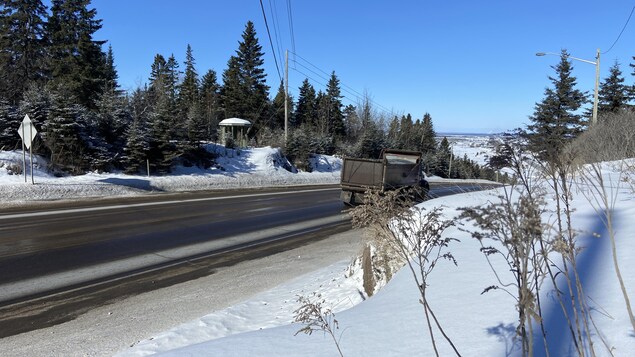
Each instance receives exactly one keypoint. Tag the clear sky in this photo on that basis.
(470, 64)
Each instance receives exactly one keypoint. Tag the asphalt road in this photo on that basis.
(89, 252)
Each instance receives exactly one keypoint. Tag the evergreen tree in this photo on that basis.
(65, 133)
(441, 164)
(36, 102)
(22, 40)
(392, 137)
(556, 121)
(210, 98)
(306, 109)
(137, 146)
(253, 76)
(428, 141)
(9, 138)
(335, 115)
(322, 117)
(407, 134)
(278, 109)
(613, 94)
(352, 123)
(232, 93)
(111, 78)
(189, 89)
(110, 123)
(161, 120)
(76, 60)
(245, 93)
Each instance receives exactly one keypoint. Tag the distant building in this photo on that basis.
(234, 129)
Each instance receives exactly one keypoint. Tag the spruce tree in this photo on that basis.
(277, 115)
(9, 120)
(210, 99)
(335, 116)
(65, 134)
(76, 60)
(189, 88)
(352, 123)
(232, 93)
(22, 40)
(613, 94)
(306, 109)
(253, 76)
(111, 77)
(556, 120)
(161, 119)
(137, 146)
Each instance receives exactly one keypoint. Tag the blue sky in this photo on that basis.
(470, 64)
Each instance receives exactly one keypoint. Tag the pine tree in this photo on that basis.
(22, 40)
(306, 109)
(210, 98)
(613, 94)
(556, 121)
(76, 60)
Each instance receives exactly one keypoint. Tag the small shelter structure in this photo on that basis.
(234, 129)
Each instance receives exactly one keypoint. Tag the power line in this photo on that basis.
(621, 32)
(290, 19)
(276, 27)
(357, 97)
(344, 85)
(270, 42)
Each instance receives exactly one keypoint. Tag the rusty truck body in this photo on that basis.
(396, 169)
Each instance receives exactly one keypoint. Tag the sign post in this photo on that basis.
(27, 132)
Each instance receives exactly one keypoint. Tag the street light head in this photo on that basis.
(540, 54)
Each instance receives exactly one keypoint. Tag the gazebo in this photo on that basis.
(235, 129)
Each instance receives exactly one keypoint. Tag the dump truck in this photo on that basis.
(396, 169)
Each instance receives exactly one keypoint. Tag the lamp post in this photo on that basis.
(594, 119)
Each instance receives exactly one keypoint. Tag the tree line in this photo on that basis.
(54, 70)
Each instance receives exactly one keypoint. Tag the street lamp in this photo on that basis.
(594, 119)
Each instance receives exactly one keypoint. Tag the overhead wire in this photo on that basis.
(276, 27)
(290, 20)
(264, 15)
(621, 32)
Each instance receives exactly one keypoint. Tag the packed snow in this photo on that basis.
(391, 322)
(235, 168)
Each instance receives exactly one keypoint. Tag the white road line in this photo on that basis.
(147, 204)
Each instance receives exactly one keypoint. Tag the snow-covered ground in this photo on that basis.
(247, 168)
(390, 323)
(477, 147)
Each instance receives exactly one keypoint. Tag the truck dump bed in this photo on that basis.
(395, 170)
